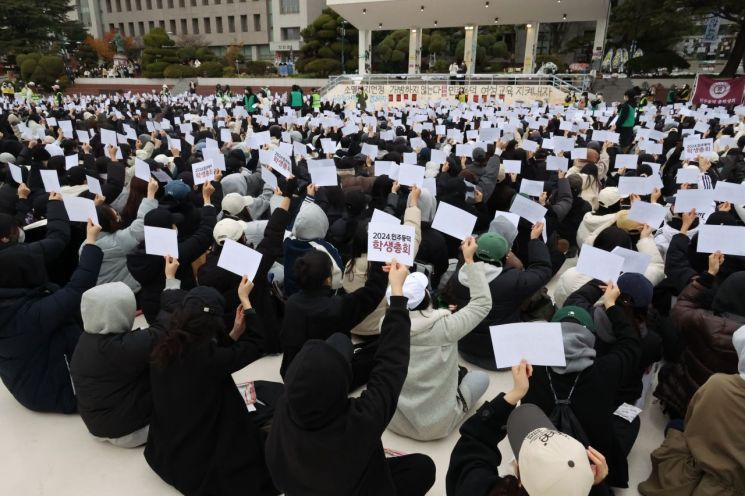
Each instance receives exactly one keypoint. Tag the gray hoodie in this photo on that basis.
(738, 340)
(311, 222)
(108, 309)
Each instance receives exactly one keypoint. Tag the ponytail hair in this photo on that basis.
(189, 326)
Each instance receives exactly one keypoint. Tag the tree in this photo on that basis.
(104, 47)
(730, 10)
(32, 24)
(159, 52)
(43, 70)
(322, 47)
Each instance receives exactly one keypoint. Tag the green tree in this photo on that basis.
(730, 10)
(32, 24)
(43, 70)
(160, 52)
(321, 52)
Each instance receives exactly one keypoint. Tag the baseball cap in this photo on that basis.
(163, 160)
(638, 287)
(177, 189)
(550, 462)
(228, 229)
(208, 298)
(415, 287)
(491, 247)
(234, 203)
(576, 314)
(609, 196)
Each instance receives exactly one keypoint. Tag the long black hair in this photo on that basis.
(190, 325)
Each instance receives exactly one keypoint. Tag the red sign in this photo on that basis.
(725, 92)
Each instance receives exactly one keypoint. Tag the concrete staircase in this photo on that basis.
(182, 86)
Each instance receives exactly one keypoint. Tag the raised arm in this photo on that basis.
(58, 230)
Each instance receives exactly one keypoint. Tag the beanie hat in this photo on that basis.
(144, 139)
(492, 247)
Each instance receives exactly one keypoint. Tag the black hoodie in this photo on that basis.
(324, 443)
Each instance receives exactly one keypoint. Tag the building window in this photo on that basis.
(289, 6)
(207, 25)
(170, 4)
(108, 5)
(141, 28)
(149, 4)
(228, 1)
(131, 27)
(181, 3)
(244, 23)
(290, 34)
(205, 2)
(121, 29)
(172, 24)
(218, 24)
(193, 3)
(159, 4)
(112, 27)
(138, 4)
(257, 22)
(128, 3)
(231, 24)
(195, 26)
(150, 25)
(217, 2)
(118, 5)
(183, 26)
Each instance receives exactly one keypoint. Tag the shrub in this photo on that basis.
(323, 67)
(155, 69)
(43, 70)
(257, 67)
(179, 71)
(210, 69)
(228, 71)
(205, 54)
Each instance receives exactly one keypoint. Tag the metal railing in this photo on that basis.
(566, 82)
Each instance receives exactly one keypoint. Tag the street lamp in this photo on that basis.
(343, 34)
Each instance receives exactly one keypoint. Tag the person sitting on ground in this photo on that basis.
(326, 444)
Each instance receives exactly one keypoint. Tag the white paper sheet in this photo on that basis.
(410, 175)
(651, 214)
(633, 261)
(71, 161)
(239, 259)
(730, 240)
(628, 185)
(80, 209)
(528, 209)
(380, 217)
(50, 180)
(529, 146)
(282, 164)
(142, 170)
(108, 137)
(599, 264)
(438, 157)
(453, 221)
(161, 241)
(268, 177)
(700, 199)
(94, 185)
(531, 188)
(627, 161)
(540, 343)
(203, 171)
(730, 192)
(688, 175)
(579, 154)
(16, 173)
(323, 172)
(557, 163)
(512, 166)
(386, 241)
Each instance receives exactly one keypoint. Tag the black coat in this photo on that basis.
(319, 314)
(148, 270)
(595, 397)
(261, 298)
(508, 291)
(202, 440)
(323, 444)
(112, 380)
(39, 329)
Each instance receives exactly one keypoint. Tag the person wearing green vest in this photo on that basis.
(671, 94)
(57, 95)
(626, 120)
(249, 100)
(218, 91)
(316, 100)
(296, 97)
(362, 98)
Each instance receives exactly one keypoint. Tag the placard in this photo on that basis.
(540, 343)
(387, 240)
(453, 221)
(203, 171)
(161, 241)
(239, 259)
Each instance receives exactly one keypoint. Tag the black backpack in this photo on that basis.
(562, 415)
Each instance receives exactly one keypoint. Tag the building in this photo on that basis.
(528, 15)
(267, 29)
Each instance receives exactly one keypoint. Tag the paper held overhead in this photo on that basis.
(540, 343)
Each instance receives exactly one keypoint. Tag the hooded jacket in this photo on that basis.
(308, 233)
(39, 328)
(594, 399)
(58, 235)
(202, 440)
(433, 248)
(708, 336)
(110, 365)
(509, 288)
(428, 407)
(147, 270)
(118, 244)
(323, 443)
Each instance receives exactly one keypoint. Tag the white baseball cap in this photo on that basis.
(415, 287)
(550, 462)
(228, 229)
(234, 203)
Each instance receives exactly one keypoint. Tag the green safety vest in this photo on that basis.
(316, 100)
(296, 99)
(250, 100)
